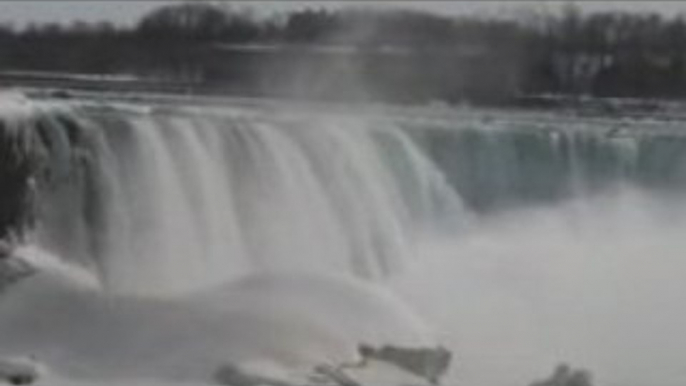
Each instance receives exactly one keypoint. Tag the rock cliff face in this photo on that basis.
(16, 170)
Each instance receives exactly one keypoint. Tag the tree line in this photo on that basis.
(402, 54)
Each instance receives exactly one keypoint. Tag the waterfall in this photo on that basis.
(167, 199)
(161, 202)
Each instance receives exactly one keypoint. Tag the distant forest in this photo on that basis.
(396, 55)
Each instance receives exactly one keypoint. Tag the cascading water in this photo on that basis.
(237, 233)
(160, 203)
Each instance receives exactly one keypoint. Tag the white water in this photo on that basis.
(195, 238)
(168, 205)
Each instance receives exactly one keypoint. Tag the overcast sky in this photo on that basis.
(127, 12)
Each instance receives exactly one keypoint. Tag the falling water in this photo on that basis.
(159, 203)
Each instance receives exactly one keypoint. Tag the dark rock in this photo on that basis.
(564, 375)
(16, 170)
(428, 363)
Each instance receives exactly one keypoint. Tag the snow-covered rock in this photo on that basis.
(384, 366)
(233, 375)
(20, 371)
(428, 363)
(12, 267)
